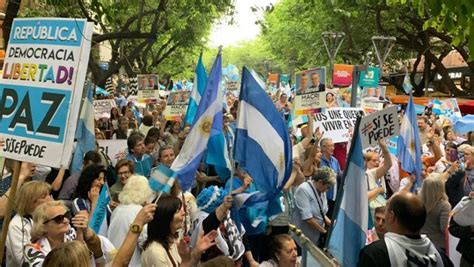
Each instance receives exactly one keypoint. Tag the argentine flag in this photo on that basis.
(348, 235)
(85, 134)
(161, 179)
(262, 143)
(186, 163)
(200, 80)
(409, 146)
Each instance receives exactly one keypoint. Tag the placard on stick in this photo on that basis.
(379, 125)
(41, 90)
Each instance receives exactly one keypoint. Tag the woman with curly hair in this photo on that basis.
(87, 192)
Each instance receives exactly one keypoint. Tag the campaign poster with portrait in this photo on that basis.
(373, 98)
(148, 86)
(177, 104)
(310, 91)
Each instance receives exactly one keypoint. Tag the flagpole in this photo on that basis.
(343, 181)
(158, 197)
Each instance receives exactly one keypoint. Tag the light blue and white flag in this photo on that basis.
(407, 87)
(348, 235)
(409, 146)
(85, 134)
(99, 214)
(464, 124)
(187, 162)
(437, 107)
(199, 85)
(161, 179)
(262, 145)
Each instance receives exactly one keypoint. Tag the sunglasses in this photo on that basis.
(60, 218)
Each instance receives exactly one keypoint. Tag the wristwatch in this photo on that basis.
(136, 229)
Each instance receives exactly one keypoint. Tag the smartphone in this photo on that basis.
(453, 155)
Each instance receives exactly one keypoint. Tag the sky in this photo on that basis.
(244, 27)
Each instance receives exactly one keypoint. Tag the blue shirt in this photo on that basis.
(143, 166)
(254, 220)
(333, 164)
(307, 205)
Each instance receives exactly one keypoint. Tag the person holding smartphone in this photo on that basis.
(458, 174)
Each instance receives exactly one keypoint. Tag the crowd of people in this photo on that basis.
(54, 207)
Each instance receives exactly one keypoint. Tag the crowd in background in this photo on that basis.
(54, 206)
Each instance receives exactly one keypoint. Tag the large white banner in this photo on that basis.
(41, 88)
(102, 108)
(114, 149)
(337, 123)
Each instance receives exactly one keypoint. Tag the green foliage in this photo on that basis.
(146, 36)
(455, 18)
(293, 31)
(253, 54)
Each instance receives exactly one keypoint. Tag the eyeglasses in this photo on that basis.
(60, 218)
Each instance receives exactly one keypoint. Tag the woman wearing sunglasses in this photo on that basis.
(52, 228)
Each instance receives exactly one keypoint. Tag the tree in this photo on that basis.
(253, 54)
(293, 31)
(144, 34)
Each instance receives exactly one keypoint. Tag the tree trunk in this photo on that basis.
(13, 6)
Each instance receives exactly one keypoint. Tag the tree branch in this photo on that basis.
(159, 59)
(85, 12)
(122, 35)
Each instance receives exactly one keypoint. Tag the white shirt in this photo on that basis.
(120, 221)
(19, 234)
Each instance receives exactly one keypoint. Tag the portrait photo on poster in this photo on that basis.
(311, 81)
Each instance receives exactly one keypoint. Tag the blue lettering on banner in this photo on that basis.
(47, 32)
(100, 211)
(34, 112)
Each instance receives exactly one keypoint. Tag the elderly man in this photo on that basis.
(328, 160)
(403, 245)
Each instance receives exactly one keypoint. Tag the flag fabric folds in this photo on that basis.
(262, 145)
(409, 146)
(100, 212)
(464, 124)
(437, 107)
(200, 80)
(85, 134)
(187, 162)
(348, 235)
(161, 179)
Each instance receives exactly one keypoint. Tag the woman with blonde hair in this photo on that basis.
(69, 254)
(374, 174)
(31, 195)
(134, 195)
(433, 196)
(51, 229)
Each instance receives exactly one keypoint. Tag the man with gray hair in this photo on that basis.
(311, 205)
(466, 158)
(328, 160)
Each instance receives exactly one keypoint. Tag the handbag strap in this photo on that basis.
(317, 200)
(171, 258)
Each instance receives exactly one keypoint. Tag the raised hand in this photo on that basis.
(93, 194)
(145, 215)
(204, 242)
